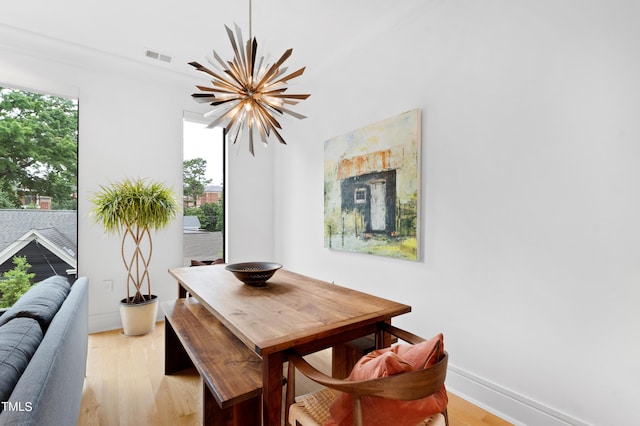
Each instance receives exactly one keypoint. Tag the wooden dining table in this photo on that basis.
(291, 311)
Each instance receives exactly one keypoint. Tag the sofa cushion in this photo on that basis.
(53, 379)
(41, 302)
(19, 339)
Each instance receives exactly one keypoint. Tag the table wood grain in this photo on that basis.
(291, 311)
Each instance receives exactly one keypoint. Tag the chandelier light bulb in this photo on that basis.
(260, 89)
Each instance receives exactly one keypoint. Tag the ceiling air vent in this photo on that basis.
(153, 54)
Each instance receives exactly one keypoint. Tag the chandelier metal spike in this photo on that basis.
(246, 95)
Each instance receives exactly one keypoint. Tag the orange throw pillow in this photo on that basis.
(386, 362)
(423, 354)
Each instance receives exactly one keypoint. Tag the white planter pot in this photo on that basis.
(139, 318)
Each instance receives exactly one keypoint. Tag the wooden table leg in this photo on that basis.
(182, 292)
(383, 340)
(272, 389)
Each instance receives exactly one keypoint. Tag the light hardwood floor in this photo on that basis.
(126, 385)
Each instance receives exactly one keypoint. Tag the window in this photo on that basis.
(38, 182)
(360, 195)
(203, 190)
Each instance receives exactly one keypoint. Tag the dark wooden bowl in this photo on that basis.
(254, 273)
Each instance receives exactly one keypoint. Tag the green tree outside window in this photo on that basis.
(38, 148)
(15, 282)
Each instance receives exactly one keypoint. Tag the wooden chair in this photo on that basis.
(313, 409)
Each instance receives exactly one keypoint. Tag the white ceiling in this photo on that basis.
(188, 30)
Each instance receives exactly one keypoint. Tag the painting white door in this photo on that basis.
(378, 206)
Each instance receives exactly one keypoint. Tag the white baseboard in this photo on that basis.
(504, 403)
(111, 321)
(104, 322)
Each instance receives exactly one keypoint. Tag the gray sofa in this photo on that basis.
(43, 354)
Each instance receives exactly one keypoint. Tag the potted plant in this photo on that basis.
(133, 208)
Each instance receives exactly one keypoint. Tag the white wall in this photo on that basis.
(249, 195)
(130, 125)
(530, 181)
(531, 190)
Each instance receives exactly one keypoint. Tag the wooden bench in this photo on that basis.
(231, 372)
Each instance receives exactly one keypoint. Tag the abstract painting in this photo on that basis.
(372, 188)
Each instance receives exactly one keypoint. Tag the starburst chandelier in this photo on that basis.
(248, 93)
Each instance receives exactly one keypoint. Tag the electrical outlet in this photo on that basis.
(107, 286)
